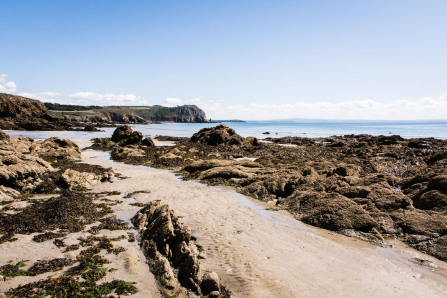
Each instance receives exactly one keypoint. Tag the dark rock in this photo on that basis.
(439, 183)
(4, 136)
(90, 127)
(125, 136)
(148, 142)
(19, 112)
(220, 134)
(172, 254)
(210, 283)
(432, 199)
(331, 211)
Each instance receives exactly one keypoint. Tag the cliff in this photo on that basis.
(129, 115)
(17, 112)
(186, 113)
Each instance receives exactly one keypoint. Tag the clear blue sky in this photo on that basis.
(247, 59)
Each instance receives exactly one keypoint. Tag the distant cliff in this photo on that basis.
(128, 115)
(21, 113)
(17, 112)
(186, 113)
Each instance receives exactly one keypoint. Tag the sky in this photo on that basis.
(251, 60)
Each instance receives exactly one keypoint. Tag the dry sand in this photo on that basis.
(260, 253)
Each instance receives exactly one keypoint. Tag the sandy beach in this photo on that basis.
(259, 253)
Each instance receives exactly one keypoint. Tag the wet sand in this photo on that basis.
(259, 253)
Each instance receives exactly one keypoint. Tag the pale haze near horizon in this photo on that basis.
(251, 60)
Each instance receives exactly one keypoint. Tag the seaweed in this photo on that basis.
(47, 236)
(72, 248)
(71, 211)
(67, 286)
(41, 266)
(13, 270)
(109, 223)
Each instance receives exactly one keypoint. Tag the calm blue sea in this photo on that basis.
(406, 129)
(412, 129)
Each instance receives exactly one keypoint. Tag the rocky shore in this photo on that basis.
(66, 230)
(59, 238)
(373, 188)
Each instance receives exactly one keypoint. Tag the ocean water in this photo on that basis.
(406, 129)
(414, 129)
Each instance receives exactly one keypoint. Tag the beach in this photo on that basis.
(257, 256)
(256, 249)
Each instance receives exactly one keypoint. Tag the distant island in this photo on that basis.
(233, 120)
(17, 112)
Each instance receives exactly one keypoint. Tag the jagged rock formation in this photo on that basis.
(21, 113)
(171, 252)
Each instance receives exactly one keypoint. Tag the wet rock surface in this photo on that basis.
(172, 253)
(359, 185)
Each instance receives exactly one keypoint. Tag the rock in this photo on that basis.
(438, 183)
(20, 113)
(433, 199)
(225, 172)
(332, 211)
(90, 127)
(167, 244)
(220, 134)
(8, 194)
(123, 153)
(214, 294)
(203, 165)
(170, 155)
(347, 170)
(210, 283)
(56, 149)
(4, 135)
(124, 135)
(71, 179)
(148, 142)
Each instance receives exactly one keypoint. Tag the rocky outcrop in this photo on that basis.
(171, 252)
(125, 144)
(21, 113)
(25, 168)
(190, 114)
(58, 149)
(124, 135)
(221, 135)
(72, 179)
(20, 166)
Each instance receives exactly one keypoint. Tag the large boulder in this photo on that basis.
(124, 135)
(56, 149)
(218, 135)
(331, 211)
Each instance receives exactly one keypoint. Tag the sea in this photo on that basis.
(274, 129)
